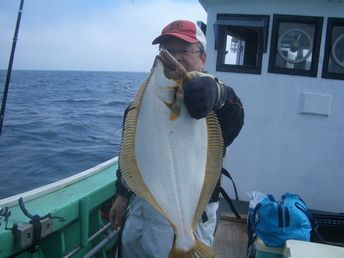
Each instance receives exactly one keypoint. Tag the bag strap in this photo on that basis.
(226, 196)
(231, 205)
(287, 216)
(271, 197)
(307, 213)
(280, 215)
(252, 224)
(280, 211)
(313, 223)
(227, 174)
(311, 220)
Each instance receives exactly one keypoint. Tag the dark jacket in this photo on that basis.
(231, 119)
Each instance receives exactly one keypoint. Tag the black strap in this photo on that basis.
(314, 224)
(228, 199)
(287, 216)
(307, 213)
(271, 197)
(227, 174)
(37, 227)
(225, 195)
(252, 224)
(204, 217)
(36, 223)
(280, 215)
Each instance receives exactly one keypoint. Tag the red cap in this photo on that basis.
(184, 30)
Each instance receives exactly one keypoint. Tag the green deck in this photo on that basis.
(66, 236)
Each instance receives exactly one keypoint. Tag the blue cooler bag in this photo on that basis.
(275, 222)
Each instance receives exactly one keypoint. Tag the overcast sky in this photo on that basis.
(101, 35)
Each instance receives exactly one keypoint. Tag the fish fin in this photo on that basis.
(199, 250)
(194, 74)
(213, 164)
(168, 96)
(127, 157)
(174, 115)
(172, 68)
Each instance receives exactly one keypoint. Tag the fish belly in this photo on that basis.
(171, 156)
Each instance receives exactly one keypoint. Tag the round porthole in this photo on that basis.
(337, 50)
(295, 46)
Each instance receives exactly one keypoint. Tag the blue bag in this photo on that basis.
(275, 222)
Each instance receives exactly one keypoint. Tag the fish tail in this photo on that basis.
(199, 250)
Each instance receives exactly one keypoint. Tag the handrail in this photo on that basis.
(99, 246)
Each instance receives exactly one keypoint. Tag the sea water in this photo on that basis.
(59, 123)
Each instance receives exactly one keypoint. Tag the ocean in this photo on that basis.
(59, 123)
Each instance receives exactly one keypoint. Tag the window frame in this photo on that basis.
(317, 21)
(331, 22)
(221, 40)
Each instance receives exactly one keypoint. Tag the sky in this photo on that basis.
(91, 35)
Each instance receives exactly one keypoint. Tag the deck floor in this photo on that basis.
(231, 234)
(230, 238)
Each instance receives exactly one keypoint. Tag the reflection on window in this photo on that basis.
(334, 51)
(295, 45)
(337, 50)
(234, 51)
(240, 42)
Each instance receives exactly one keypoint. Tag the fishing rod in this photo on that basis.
(9, 70)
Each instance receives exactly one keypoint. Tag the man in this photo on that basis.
(146, 232)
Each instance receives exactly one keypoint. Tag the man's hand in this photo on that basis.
(118, 210)
(200, 96)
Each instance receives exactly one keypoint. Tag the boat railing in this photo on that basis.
(112, 236)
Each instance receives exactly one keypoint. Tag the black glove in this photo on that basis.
(201, 96)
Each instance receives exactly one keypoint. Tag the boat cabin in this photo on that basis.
(285, 60)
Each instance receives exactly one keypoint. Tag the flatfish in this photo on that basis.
(168, 158)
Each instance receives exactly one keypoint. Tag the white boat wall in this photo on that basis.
(285, 60)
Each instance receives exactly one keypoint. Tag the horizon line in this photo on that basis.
(61, 70)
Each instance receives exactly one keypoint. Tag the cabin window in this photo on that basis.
(333, 67)
(240, 41)
(295, 45)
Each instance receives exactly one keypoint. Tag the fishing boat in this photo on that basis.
(285, 59)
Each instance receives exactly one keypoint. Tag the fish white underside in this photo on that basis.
(170, 159)
(171, 155)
